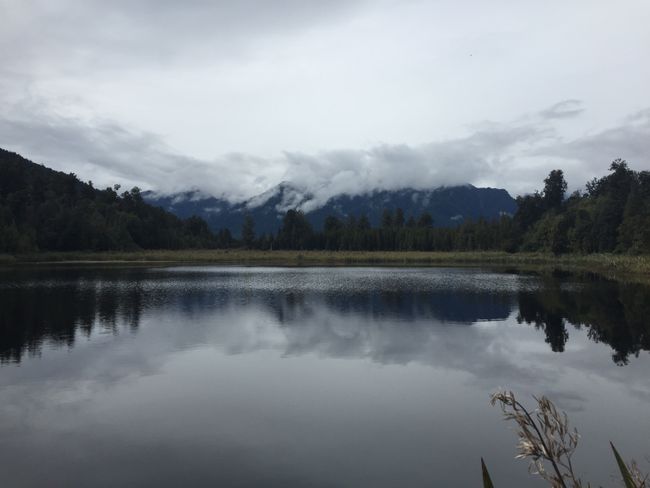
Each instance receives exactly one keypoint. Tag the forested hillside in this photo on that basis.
(42, 209)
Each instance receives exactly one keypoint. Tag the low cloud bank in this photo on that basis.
(515, 155)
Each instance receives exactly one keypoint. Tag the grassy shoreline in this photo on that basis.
(620, 266)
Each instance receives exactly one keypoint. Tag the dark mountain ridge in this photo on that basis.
(449, 206)
(46, 210)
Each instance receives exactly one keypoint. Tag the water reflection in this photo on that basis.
(326, 310)
(307, 377)
(617, 314)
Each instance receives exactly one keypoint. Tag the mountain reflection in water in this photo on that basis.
(336, 315)
(292, 377)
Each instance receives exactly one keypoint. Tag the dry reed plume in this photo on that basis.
(546, 439)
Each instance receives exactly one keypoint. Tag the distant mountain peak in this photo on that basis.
(448, 205)
(284, 195)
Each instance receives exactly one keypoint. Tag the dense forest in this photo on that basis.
(612, 214)
(42, 209)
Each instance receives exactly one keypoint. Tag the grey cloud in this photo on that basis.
(218, 75)
(451, 162)
(107, 153)
(563, 110)
(41, 36)
(100, 150)
(640, 116)
(630, 141)
(514, 155)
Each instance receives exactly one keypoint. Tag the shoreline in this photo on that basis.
(610, 265)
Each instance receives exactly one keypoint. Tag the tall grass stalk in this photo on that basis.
(547, 441)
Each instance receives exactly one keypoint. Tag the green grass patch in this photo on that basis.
(616, 266)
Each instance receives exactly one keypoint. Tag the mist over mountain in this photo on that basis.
(448, 205)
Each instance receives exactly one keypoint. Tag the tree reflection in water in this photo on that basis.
(59, 306)
(615, 313)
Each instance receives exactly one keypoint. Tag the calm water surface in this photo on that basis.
(322, 377)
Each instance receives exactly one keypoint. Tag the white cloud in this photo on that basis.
(333, 95)
(515, 155)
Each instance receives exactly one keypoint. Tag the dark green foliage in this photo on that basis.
(296, 232)
(487, 481)
(42, 209)
(425, 220)
(248, 231)
(399, 218)
(628, 479)
(554, 189)
(363, 224)
(387, 219)
(529, 210)
(224, 239)
(613, 215)
(356, 234)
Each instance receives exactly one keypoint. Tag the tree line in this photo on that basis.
(46, 210)
(612, 214)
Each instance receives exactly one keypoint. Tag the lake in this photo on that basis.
(319, 377)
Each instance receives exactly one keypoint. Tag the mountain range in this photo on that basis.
(448, 205)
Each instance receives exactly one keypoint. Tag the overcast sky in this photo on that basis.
(232, 97)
